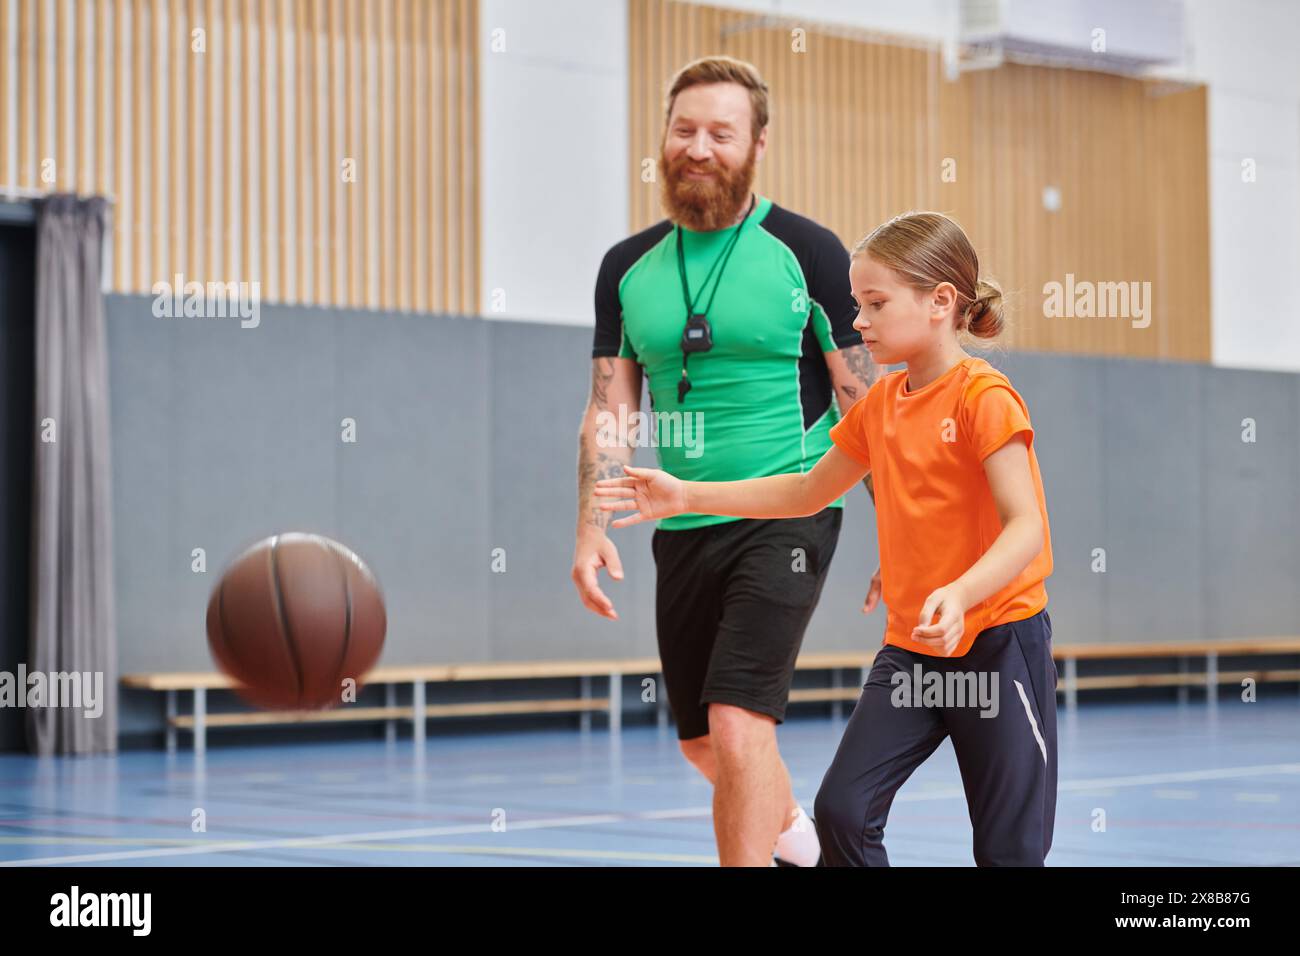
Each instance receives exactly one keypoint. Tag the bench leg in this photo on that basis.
(200, 721)
(171, 726)
(390, 725)
(615, 704)
(1212, 677)
(837, 706)
(584, 691)
(1071, 684)
(1182, 672)
(417, 714)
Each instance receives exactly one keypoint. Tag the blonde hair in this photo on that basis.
(722, 69)
(927, 248)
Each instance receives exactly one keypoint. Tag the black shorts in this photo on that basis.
(732, 602)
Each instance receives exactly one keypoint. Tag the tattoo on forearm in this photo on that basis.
(860, 366)
(593, 465)
(602, 373)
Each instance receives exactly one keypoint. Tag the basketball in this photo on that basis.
(293, 618)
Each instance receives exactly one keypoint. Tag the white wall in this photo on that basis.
(1246, 53)
(556, 168)
(555, 144)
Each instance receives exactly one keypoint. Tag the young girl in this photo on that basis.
(964, 550)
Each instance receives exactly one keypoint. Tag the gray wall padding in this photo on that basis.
(467, 442)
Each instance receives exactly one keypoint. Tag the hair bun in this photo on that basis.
(984, 315)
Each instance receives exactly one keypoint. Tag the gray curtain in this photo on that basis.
(72, 613)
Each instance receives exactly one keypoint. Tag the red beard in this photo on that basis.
(705, 205)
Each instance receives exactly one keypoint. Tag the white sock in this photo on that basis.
(798, 844)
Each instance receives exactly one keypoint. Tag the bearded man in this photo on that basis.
(739, 312)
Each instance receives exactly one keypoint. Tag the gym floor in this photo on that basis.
(1180, 785)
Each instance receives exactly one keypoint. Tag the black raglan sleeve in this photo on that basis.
(828, 285)
(825, 265)
(608, 338)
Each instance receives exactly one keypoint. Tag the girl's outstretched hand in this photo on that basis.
(649, 492)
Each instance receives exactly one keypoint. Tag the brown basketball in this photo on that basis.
(294, 617)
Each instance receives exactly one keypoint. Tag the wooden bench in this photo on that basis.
(199, 721)
(1071, 654)
(1183, 651)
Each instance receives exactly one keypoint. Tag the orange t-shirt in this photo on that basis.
(935, 512)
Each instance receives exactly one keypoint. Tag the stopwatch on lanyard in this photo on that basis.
(698, 336)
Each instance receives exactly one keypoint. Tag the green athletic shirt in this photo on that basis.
(763, 392)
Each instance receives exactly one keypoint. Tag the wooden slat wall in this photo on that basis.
(6, 52)
(860, 128)
(226, 165)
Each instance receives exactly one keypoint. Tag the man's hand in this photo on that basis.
(654, 494)
(615, 389)
(592, 552)
(943, 635)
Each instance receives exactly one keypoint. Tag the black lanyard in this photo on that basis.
(697, 337)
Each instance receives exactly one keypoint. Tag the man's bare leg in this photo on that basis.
(699, 753)
(752, 798)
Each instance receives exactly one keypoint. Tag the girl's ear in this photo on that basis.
(945, 297)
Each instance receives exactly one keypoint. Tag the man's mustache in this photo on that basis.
(682, 167)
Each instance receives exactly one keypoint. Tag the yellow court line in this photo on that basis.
(104, 841)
